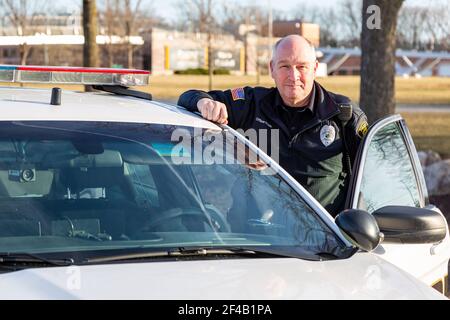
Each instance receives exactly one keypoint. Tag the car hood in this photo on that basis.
(363, 276)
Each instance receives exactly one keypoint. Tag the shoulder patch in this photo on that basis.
(238, 94)
(363, 128)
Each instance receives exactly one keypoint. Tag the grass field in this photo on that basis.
(429, 130)
(408, 91)
(431, 90)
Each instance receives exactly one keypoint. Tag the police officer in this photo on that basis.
(319, 130)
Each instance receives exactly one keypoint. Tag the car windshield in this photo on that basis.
(102, 186)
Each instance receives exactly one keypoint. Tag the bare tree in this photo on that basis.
(130, 13)
(125, 19)
(424, 27)
(329, 22)
(208, 23)
(411, 26)
(306, 13)
(244, 20)
(233, 16)
(90, 49)
(350, 13)
(193, 15)
(438, 26)
(109, 26)
(341, 26)
(378, 57)
(197, 15)
(256, 19)
(21, 15)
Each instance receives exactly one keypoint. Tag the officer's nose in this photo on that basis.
(293, 74)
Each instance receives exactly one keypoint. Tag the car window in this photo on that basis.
(388, 176)
(99, 186)
(250, 201)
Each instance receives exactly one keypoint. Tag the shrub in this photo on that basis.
(196, 71)
(202, 71)
(222, 72)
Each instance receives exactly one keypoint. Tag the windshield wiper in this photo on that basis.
(24, 259)
(171, 253)
(184, 252)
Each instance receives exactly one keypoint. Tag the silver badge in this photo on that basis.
(327, 135)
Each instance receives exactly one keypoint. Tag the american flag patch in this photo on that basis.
(238, 94)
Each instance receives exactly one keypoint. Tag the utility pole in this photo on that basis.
(210, 57)
(270, 32)
(269, 44)
(247, 24)
(270, 29)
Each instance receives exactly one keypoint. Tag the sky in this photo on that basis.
(167, 8)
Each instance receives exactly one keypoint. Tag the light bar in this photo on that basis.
(74, 75)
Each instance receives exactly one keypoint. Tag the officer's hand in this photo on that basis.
(213, 110)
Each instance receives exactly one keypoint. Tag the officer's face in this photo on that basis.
(294, 70)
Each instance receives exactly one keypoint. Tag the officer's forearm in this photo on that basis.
(190, 98)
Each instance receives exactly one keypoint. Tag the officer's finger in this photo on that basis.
(223, 116)
(204, 112)
(201, 105)
(211, 111)
(224, 113)
(207, 109)
(221, 121)
(215, 113)
(218, 113)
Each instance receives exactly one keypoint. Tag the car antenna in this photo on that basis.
(56, 97)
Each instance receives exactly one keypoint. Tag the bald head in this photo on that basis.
(293, 67)
(297, 44)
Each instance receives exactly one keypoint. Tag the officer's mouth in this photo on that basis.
(295, 86)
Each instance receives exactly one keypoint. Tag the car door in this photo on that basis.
(388, 172)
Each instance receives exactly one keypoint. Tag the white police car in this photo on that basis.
(114, 196)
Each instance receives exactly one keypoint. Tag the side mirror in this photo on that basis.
(410, 224)
(361, 228)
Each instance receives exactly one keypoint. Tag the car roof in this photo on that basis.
(30, 104)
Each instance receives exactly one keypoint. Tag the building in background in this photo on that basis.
(282, 28)
(171, 51)
(345, 61)
(59, 41)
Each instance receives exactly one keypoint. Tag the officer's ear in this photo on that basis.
(316, 65)
(271, 67)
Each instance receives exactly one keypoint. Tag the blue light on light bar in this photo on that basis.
(3, 67)
(7, 73)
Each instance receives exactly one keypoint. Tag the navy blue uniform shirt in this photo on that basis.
(306, 149)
